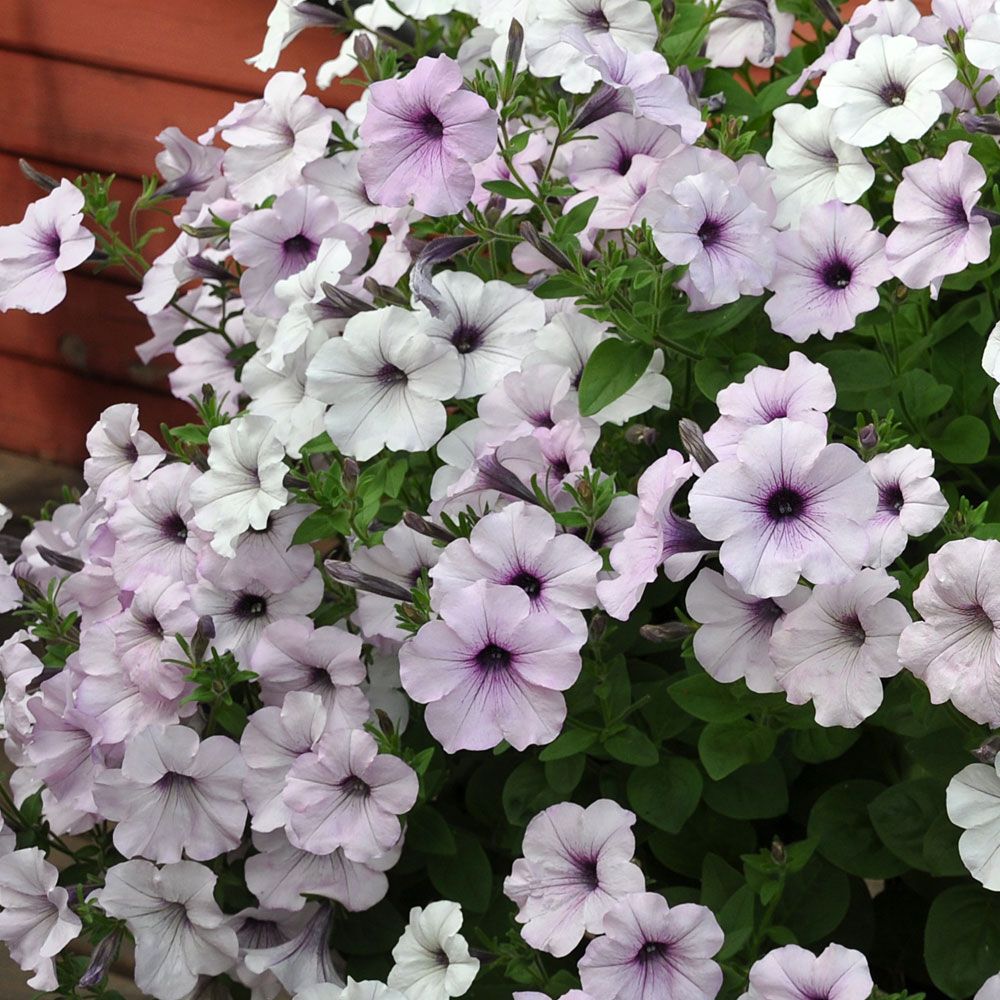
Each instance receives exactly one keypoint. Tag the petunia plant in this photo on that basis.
(580, 574)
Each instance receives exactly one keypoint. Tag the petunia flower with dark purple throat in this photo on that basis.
(422, 134)
(828, 273)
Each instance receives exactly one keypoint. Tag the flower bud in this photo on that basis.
(203, 636)
(515, 43)
(988, 124)
(544, 246)
(344, 572)
(694, 443)
(100, 961)
(384, 722)
(349, 476)
(364, 51)
(494, 207)
(829, 11)
(640, 434)
(987, 751)
(428, 528)
(667, 632)
(598, 625)
(44, 181)
(668, 9)
(69, 563)
(868, 437)
(778, 853)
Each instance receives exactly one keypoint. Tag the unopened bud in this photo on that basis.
(693, 440)
(902, 293)
(494, 207)
(428, 528)
(714, 103)
(60, 560)
(544, 246)
(208, 269)
(987, 752)
(953, 41)
(338, 304)
(384, 722)
(515, 43)
(384, 292)
(344, 572)
(668, 9)
(667, 632)
(830, 12)
(45, 182)
(203, 636)
(100, 961)
(598, 625)
(640, 434)
(778, 853)
(364, 51)
(868, 437)
(349, 476)
(989, 124)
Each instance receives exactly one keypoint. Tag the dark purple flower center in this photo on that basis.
(152, 625)
(528, 582)
(431, 125)
(893, 93)
(587, 867)
(354, 787)
(956, 211)
(172, 781)
(852, 630)
(597, 20)
(131, 452)
(299, 250)
(320, 678)
(710, 232)
(174, 529)
(837, 274)
(466, 337)
(890, 497)
(560, 467)
(390, 375)
(250, 606)
(650, 952)
(624, 163)
(52, 242)
(785, 504)
(492, 658)
(767, 612)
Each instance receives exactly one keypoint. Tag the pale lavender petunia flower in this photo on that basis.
(803, 392)
(937, 233)
(294, 655)
(990, 990)
(175, 794)
(185, 165)
(272, 139)
(715, 227)
(36, 922)
(280, 241)
(520, 547)
(910, 502)
(432, 959)
(244, 483)
(650, 950)
(345, 794)
(828, 272)
(422, 134)
(180, 932)
(491, 669)
(793, 973)
(577, 863)
(787, 504)
(616, 141)
(835, 648)
(658, 537)
(36, 252)
(259, 929)
(973, 803)
(955, 650)
(735, 629)
(119, 452)
(741, 36)
(282, 873)
(571, 995)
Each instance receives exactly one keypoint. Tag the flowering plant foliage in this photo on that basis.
(581, 574)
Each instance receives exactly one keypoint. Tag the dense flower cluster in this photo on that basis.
(378, 625)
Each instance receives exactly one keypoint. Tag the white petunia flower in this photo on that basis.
(244, 482)
(892, 86)
(386, 381)
(973, 803)
(432, 958)
(982, 42)
(811, 166)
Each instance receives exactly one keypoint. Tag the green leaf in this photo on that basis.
(818, 744)
(507, 189)
(466, 878)
(965, 441)
(814, 901)
(725, 747)
(371, 932)
(575, 220)
(564, 775)
(612, 369)
(665, 796)
(922, 394)
(857, 371)
(713, 323)
(840, 821)
(962, 939)
(526, 793)
(321, 524)
(631, 746)
(568, 744)
(754, 791)
(902, 816)
(707, 699)
(427, 831)
(559, 286)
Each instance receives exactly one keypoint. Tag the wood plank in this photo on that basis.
(47, 411)
(94, 331)
(198, 41)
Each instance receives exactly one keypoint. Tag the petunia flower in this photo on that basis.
(491, 325)
(185, 165)
(736, 38)
(735, 629)
(577, 863)
(973, 803)
(955, 650)
(910, 502)
(36, 252)
(119, 452)
(431, 959)
(180, 932)
(650, 950)
(175, 794)
(491, 669)
(345, 794)
(386, 381)
(422, 133)
(36, 922)
(892, 87)
(793, 973)
(937, 233)
(835, 647)
(244, 483)
(616, 142)
(787, 504)
(828, 272)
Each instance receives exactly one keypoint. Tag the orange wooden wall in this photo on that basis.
(87, 86)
